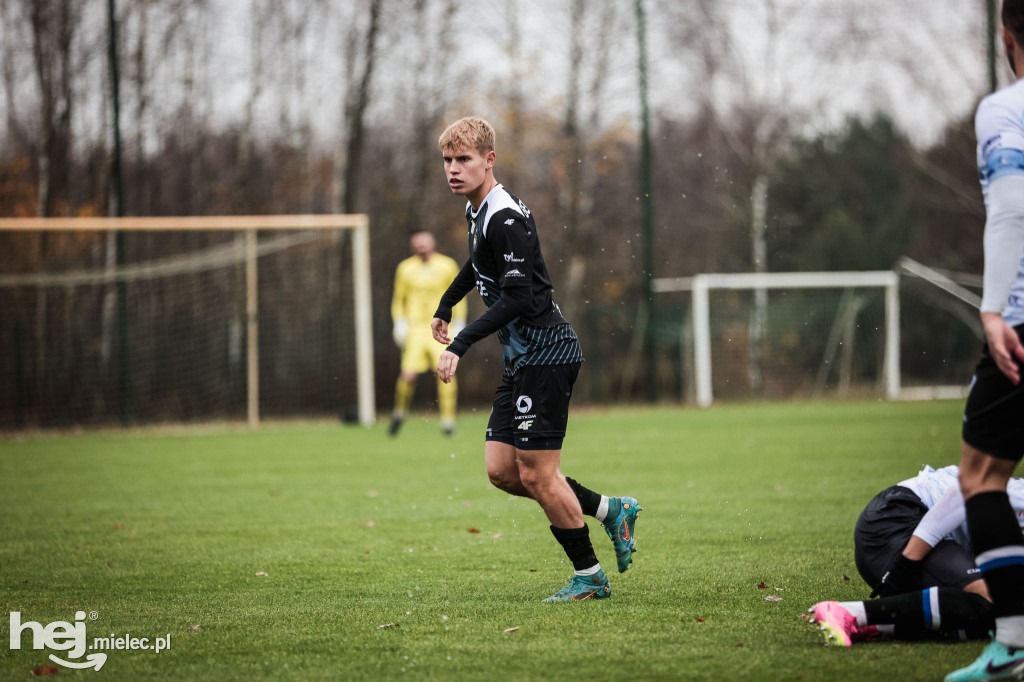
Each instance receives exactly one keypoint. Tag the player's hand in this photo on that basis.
(904, 575)
(400, 331)
(1003, 345)
(439, 328)
(446, 365)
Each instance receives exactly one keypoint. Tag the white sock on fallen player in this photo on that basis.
(856, 609)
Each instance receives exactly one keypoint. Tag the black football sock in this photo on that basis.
(576, 543)
(965, 614)
(998, 550)
(589, 500)
(937, 610)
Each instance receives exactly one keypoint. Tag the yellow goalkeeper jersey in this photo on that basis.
(419, 287)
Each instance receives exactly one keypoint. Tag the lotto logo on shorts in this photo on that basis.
(524, 404)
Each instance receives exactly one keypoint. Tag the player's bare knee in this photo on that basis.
(506, 480)
(533, 480)
(504, 475)
(539, 482)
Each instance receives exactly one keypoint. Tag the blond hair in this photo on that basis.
(471, 132)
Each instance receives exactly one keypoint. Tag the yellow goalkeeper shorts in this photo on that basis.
(421, 352)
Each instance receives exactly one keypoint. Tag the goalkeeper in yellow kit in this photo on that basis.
(420, 281)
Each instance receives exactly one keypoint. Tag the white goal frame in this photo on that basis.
(700, 285)
(249, 225)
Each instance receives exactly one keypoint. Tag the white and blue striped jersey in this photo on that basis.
(999, 126)
(930, 485)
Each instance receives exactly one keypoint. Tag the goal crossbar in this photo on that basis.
(250, 225)
(175, 223)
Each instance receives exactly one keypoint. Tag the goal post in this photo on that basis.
(246, 251)
(701, 285)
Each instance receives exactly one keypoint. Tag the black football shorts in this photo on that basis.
(882, 531)
(994, 413)
(531, 407)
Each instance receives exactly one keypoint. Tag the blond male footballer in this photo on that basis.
(542, 357)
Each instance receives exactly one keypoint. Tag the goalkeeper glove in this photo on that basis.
(904, 575)
(400, 331)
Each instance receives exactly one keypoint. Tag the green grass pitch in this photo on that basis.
(278, 554)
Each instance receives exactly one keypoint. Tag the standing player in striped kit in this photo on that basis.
(993, 428)
(542, 358)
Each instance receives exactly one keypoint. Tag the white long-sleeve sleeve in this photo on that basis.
(943, 518)
(1004, 240)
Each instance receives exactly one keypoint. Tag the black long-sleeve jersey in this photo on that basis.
(506, 267)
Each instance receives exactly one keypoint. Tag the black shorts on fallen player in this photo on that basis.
(531, 407)
(882, 531)
(994, 413)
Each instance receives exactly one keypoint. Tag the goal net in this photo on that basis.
(787, 335)
(903, 334)
(142, 320)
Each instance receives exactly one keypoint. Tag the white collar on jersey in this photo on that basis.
(498, 199)
(469, 206)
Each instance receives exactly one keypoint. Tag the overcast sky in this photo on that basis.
(921, 61)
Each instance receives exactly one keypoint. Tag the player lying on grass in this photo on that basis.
(542, 358)
(911, 546)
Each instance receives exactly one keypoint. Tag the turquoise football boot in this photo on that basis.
(584, 587)
(997, 662)
(619, 524)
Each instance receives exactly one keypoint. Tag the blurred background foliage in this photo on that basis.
(816, 127)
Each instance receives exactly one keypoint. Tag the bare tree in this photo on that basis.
(513, 96)
(10, 67)
(749, 93)
(53, 24)
(357, 100)
(591, 25)
(431, 89)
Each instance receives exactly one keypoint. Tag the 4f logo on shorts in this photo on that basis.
(524, 404)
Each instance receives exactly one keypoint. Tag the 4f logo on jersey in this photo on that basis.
(510, 221)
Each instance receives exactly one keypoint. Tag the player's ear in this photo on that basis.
(490, 158)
